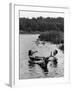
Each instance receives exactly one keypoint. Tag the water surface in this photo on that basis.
(28, 42)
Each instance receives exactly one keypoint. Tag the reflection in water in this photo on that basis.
(28, 42)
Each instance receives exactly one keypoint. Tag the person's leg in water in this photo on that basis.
(43, 65)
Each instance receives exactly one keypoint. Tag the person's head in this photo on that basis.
(29, 52)
(55, 52)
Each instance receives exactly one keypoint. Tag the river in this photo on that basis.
(27, 42)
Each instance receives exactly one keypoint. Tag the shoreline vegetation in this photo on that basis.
(54, 37)
(50, 29)
(40, 24)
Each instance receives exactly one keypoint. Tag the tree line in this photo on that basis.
(40, 24)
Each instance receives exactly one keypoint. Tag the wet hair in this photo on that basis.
(55, 62)
(55, 52)
(29, 52)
